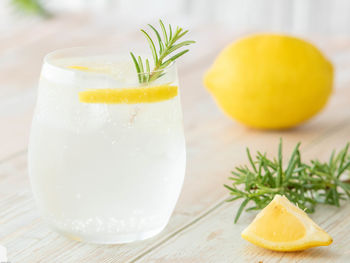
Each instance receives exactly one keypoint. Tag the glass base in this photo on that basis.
(109, 238)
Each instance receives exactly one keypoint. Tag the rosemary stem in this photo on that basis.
(167, 45)
(306, 185)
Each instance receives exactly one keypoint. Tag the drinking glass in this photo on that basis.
(104, 172)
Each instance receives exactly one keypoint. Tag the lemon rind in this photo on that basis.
(129, 95)
(314, 235)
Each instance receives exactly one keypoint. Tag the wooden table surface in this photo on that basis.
(201, 228)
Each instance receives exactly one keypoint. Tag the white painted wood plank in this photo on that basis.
(215, 238)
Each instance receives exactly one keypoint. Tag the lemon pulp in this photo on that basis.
(281, 226)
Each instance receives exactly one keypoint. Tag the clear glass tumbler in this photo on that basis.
(105, 169)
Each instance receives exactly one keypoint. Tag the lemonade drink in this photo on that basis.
(105, 172)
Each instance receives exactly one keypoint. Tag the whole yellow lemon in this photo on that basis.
(270, 81)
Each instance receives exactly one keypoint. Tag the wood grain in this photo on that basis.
(214, 237)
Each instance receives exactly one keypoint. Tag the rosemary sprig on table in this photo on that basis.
(161, 57)
(35, 7)
(305, 184)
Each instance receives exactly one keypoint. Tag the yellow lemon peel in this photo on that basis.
(129, 95)
(281, 226)
(270, 81)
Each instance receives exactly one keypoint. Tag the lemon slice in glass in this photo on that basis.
(129, 95)
(147, 94)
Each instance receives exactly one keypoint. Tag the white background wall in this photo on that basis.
(325, 17)
(299, 16)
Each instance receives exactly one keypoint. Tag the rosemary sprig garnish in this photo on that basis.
(304, 184)
(161, 57)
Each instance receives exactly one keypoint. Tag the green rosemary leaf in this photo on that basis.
(331, 159)
(161, 46)
(148, 69)
(160, 75)
(151, 45)
(345, 187)
(170, 32)
(167, 45)
(180, 45)
(136, 66)
(248, 181)
(142, 72)
(240, 209)
(177, 55)
(279, 172)
(251, 160)
(178, 34)
(234, 178)
(182, 34)
(233, 199)
(229, 187)
(335, 197)
(252, 208)
(343, 169)
(139, 60)
(294, 160)
(342, 158)
(305, 184)
(166, 63)
(165, 35)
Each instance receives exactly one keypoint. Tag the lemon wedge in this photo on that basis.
(281, 226)
(129, 95)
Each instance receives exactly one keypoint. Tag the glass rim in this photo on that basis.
(49, 57)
